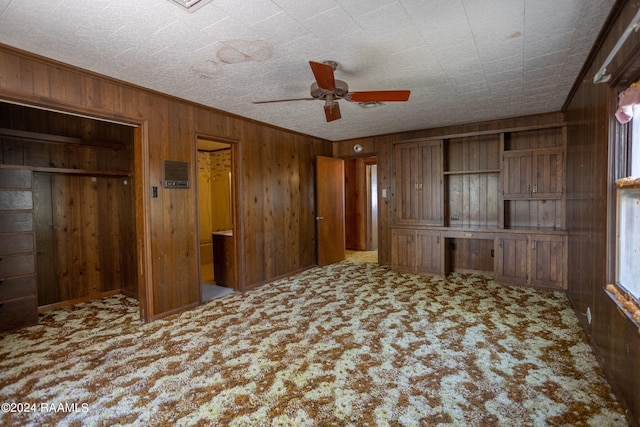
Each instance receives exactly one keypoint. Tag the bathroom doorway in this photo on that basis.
(216, 218)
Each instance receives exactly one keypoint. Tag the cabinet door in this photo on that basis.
(517, 175)
(430, 185)
(513, 258)
(546, 179)
(403, 250)
(547, 260)
(429, 252)
(407, 172)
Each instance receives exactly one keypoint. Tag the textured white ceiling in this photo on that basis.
(463, 60)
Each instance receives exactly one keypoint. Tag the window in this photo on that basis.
(628, 215)
(633, 148)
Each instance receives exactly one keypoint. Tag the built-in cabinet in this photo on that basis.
(417, 251)
(531, 259)
(419, 183)
(488, 202)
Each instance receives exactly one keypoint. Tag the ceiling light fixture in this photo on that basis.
(190, 5)
(371, 104)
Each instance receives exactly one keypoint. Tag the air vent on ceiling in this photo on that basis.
(190, 5)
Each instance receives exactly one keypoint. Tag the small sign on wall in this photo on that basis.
(176, 174)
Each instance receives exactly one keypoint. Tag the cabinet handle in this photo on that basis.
(535, 188)
(529, 188)
(437, 241)
(420, 186)
(500, 242)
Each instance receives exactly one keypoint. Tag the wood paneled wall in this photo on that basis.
(590, 187)
(276, 177)
(277, 183)
(355, 205)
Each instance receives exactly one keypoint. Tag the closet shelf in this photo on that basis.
(70, 171)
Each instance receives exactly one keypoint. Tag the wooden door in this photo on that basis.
(407, 195)
(517, 175)
(513, 259)
(546, 180)
(330, 210)
(430, 183)
(403, 250)
(547, 260)
(429, 252)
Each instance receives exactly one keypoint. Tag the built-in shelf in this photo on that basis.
(27, 136)
(69, 171)
(500, 203)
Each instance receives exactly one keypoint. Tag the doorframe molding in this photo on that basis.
(236, 205)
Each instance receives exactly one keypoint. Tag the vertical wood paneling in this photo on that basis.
(589, 185)
(470, 255)
(48, 289)
(355, 204)
(277, 196)
(63, 231)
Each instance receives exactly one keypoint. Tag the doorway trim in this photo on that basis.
(236, 207)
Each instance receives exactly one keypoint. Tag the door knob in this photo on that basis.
(319, 218)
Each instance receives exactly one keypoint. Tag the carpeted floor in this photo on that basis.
(362, 256)
(350, 344)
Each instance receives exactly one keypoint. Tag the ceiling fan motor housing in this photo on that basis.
(341, 90)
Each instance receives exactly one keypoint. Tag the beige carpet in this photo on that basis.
(346, 345)
(362, 256)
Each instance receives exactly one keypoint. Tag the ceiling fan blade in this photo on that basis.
(332, 111)
(324, 75)
(379, 96)
(283, 100)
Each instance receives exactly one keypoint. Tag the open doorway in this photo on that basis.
(361, 208)
(216, 218)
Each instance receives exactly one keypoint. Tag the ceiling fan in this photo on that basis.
(330, 90)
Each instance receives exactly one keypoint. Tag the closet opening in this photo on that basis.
(77, 208)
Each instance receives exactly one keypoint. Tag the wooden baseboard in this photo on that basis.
(49, 307)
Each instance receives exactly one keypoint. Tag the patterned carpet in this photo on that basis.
(352, 344)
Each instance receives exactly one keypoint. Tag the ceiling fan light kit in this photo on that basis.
(328, 89)
(370, 104)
